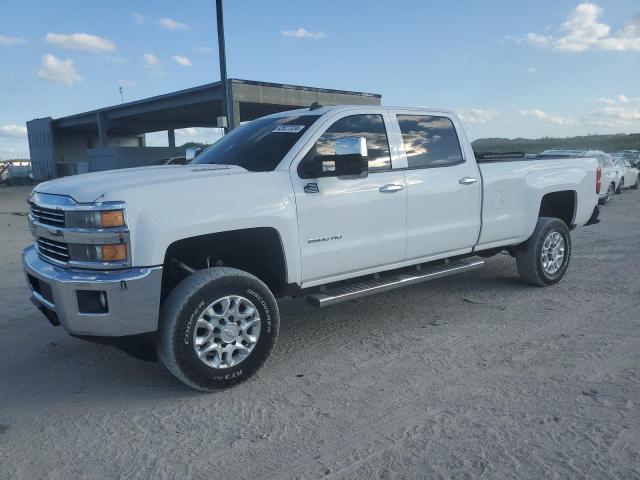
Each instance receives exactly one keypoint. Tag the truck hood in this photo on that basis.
(90, 187)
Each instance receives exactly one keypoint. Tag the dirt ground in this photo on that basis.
(474, 376)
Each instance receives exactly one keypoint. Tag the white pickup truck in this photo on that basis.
(331, 203)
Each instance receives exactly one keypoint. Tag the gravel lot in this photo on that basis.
(474, 376)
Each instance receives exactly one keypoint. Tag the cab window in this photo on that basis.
(429, 141)
(369, 126)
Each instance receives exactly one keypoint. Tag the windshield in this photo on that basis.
(257, 146)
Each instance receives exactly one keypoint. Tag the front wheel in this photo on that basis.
(543, 259)
(217, 328)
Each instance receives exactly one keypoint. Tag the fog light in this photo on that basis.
(92, 301)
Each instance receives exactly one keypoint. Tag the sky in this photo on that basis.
(509, 68)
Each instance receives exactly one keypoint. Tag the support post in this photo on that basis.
(223, 64)
(102, 129)
(171, 134)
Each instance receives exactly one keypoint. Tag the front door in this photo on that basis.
(348, 225)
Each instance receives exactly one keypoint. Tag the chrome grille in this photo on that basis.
(47, 216)
(52, 249)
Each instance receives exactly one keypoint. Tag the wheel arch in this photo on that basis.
(258, 251)
(561, 204)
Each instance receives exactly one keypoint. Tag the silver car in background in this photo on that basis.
(628, 174)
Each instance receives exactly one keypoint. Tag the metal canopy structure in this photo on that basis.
(200, 107)
(113, 137)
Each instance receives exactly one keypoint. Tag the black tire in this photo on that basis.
(529, 254)
(620, 186)
(637, 184)
(184, 305)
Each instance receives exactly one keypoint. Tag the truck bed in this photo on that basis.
(515, 185)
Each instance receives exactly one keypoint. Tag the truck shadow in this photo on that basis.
(81, 370)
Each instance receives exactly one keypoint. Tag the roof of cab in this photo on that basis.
(341, 108)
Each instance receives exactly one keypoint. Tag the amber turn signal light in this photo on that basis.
(114, 253)
(112, 218)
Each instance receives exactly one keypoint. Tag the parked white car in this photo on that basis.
(629, 177)
(330, 203)
(610, 173)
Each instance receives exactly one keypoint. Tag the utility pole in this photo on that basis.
(121, 95)
(223, 64)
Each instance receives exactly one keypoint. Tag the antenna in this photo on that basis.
(121, 95)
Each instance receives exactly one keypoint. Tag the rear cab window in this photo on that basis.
(429, 141)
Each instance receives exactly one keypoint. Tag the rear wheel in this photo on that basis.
(620, 186)
(637, 183)
(217, 328)
(608, 197)
(543, 259)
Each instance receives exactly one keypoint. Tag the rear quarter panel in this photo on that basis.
(513, 191)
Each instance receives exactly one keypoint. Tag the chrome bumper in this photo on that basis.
(133, 297)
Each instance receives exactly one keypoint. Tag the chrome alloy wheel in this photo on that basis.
(553, 250)
(226, 332)
(611, 191)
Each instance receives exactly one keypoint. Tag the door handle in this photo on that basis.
(467, 180)
(390, 188)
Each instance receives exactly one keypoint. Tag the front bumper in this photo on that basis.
(133, 297)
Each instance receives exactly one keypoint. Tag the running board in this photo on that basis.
(382, 284)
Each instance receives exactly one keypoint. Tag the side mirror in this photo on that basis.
(350, 159)
(192, 152)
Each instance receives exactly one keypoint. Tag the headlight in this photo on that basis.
(116, 252)
(95, 218)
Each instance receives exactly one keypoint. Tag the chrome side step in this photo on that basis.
(382, 284)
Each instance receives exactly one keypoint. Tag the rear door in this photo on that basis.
(443, 185)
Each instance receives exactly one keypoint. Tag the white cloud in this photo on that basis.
(12, 40)
(547, 117)
(619, 113)
(13, 131)
(184, 135)
(127, 83)
(182, 60)
(205, 50)
(302, 33)
(138, 18)
(582, 31)
(81, 41)
(153, 64)
(59, 71)
(607, 100)
(619, 99)
(476, 115)
(532, 70)
(171, 24)
(189, 132)
(536, 40)
(151, 60)
(606, 123)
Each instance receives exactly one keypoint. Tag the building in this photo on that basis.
(113, 137)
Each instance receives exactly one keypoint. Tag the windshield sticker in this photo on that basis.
(288, 129)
